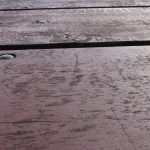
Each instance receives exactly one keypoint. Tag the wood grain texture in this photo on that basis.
(22, 4)
(91, 98)
(73, 136)
(81, 25)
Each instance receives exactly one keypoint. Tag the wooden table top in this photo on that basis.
(83, 98)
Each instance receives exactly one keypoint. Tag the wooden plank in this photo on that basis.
(22, 4)
(94, 94)
(81, 25)
(80, 135)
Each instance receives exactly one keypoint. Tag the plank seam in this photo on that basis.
(28, 9)
(75, 45)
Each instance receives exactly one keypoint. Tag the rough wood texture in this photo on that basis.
(23, 4)
(84, 25)
(72, 136)
(76, 99)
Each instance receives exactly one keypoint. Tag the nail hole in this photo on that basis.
(7, 56)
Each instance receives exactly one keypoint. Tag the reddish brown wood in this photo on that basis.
(76, 99)
(79, 134)
(79, 25)
(29, 4)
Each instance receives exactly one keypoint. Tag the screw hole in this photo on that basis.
(7, 56)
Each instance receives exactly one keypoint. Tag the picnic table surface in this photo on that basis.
(91, 92)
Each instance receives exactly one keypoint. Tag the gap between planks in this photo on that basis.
(75, 45)
(99, 7)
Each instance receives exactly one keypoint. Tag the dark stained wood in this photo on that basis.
(23, 4)
(76, 99)
(81, 25)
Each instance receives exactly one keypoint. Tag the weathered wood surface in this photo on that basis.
(72, 136)
(29, 4)
(81, 25)
(76, 99)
